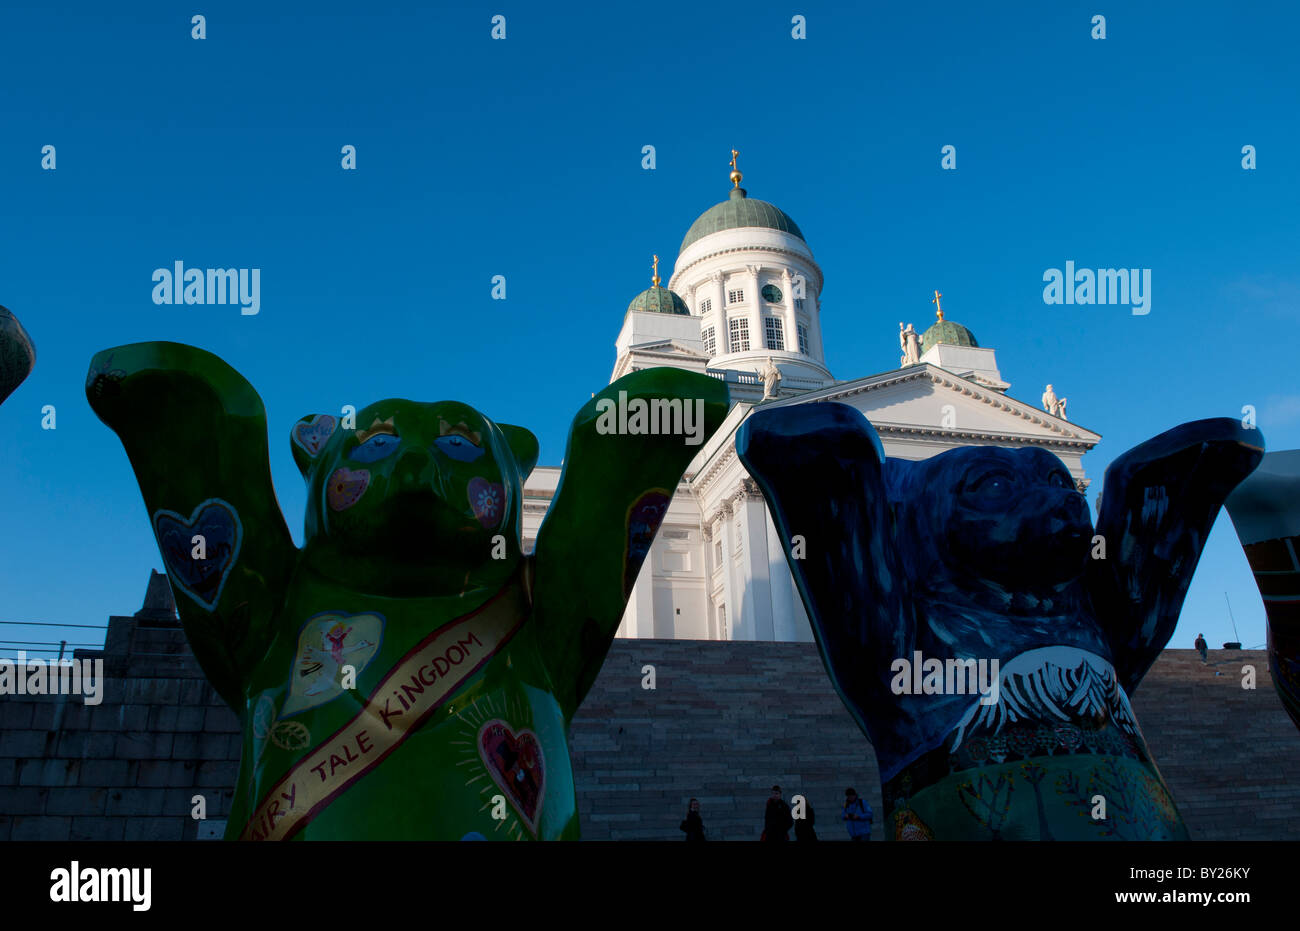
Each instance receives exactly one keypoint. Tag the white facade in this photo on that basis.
(716, 570)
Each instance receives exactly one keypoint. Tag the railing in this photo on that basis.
(47, 646)
(742, 378)
(750, 378)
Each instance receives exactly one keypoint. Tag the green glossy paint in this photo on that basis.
(412, 536)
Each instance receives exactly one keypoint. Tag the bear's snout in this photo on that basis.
(1069, 515)
(1073, 507)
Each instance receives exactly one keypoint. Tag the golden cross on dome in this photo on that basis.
(736, 176)
(938, 308)
(656, 268)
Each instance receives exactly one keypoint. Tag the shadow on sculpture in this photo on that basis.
(1265, 511)
(981, 632)
(410, 641)
(17, 354)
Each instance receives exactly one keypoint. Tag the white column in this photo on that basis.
(728, 583)
(639, 615)
(791, 320)
(783, 595)
(815, 348)
(758, 588)
(756, 341)
(720, 303)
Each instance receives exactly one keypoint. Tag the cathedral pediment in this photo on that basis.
(667, 347)
(924, 400)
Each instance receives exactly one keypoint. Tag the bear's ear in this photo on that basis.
(524, 446)
(308, 437)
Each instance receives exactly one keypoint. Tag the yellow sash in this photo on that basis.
(415, 688)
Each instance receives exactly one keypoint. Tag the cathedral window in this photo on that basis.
(739, 334)
(798, 303)
(773, 332)
(710, 343)
(736, 296)
(706, 305)
(803, 339)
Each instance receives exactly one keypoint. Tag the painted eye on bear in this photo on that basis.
(994, 485)
(377, 447)
(1059, 480)
(458, 447)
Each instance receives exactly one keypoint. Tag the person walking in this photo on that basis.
(1202, 647)
(803, 827)
(693, 824)
(776, 818)
(857, 816)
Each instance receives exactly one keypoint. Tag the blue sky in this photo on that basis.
(523, 158)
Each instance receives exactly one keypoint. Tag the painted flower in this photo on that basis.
(487, 500)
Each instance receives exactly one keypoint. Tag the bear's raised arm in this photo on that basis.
(613, 495)
(820, 467)
(1158, 504)
(1265, 509)
(195, 432)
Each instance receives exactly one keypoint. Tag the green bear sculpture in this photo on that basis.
(409, 673)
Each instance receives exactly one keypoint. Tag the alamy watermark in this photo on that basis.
(77, 883)
(181, 285)
(1103, 286)
(658, 416)
(23, 676)
(920, 676)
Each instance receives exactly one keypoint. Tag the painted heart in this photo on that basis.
(314, 434)
(346, 487)
(218, 523)
(516, 764)
(488, 499)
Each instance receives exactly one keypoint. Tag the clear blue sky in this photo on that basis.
(523, 158)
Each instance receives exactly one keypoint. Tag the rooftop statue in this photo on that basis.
(771, 376)
(982, 633)
(1054, 405)
(910, 342)
(409, 673)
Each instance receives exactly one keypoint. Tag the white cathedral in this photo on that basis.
(743, 306)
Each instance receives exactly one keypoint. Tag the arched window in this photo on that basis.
(739, 334)
(774, 333)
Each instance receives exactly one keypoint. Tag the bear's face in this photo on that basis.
(1012, 517)
(413, 481)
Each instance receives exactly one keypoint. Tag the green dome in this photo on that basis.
(657, 300)
(945, 331)
(739, 211)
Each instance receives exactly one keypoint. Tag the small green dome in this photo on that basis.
(739, 211)
(659, 300)
(945, 331)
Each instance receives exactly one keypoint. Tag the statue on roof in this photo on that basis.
(771, 380)
(910, 342)
(1054, 405)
